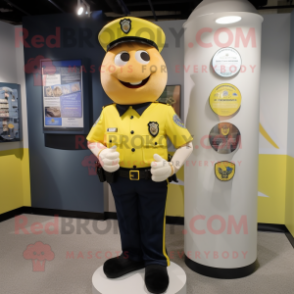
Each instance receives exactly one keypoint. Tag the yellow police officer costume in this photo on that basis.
(139, 131)
(138, 126)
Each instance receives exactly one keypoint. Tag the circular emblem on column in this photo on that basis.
(225, 99)
(224, 170)
(226, 62)
(224, 138)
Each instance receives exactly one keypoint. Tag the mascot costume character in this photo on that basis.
(130, 141)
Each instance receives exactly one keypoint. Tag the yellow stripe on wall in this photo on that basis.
(272, 183)
(267, 136)
(14, 179)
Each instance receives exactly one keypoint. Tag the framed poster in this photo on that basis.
(172, 95)
(65, 97)
(10, 127)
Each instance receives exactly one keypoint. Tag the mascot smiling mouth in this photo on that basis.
(136, 85)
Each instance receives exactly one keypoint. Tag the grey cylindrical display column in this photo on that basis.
(221, 198)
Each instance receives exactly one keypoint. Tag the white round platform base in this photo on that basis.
(133, 283)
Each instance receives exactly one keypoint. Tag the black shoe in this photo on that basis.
(156, 278)
(119, 266)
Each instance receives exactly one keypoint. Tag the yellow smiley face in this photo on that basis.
(133, 73)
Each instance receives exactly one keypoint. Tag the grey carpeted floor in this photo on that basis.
(77, 254)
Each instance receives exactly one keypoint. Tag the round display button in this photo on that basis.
(226, 62)
(225, 99)
(224, 138)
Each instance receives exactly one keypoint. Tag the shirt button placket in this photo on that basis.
(132, 132)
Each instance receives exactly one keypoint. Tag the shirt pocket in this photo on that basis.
(154, 148)
(114, 139)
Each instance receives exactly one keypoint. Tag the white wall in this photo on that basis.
(274, 82)
(7, 56)
(290, 147)
(12, 71)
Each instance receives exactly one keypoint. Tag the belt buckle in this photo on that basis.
(134, 175)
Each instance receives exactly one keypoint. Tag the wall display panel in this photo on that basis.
(9, 112)
(65, 104)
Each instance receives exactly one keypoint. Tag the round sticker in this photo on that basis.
(226, 62)
(224, 138)
(225, 99)
(224, 170)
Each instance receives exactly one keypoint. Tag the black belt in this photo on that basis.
(132, 174)
(135, 174)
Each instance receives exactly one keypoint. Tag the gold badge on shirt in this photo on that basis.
(153, 128)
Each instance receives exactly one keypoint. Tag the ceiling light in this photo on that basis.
(80, 9)
(228, 19)
(83, 8)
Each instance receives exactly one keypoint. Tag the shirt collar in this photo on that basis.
(140, 108)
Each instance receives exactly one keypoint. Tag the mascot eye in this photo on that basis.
(121, 58)
(142, 56)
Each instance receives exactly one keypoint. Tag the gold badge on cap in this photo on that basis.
(153, 128)
(125, 25)
(224, 170)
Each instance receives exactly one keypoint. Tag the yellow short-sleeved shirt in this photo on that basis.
(139, 135)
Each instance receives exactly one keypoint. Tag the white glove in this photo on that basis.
(160, 169)
(109, 159)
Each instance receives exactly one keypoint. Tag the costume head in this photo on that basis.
(133, 70)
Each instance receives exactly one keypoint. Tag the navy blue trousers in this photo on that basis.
(140, 209)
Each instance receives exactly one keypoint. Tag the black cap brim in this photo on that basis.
(131, 39)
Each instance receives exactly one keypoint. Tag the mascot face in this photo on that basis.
(133, 73)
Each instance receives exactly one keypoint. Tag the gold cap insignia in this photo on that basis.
(125, 25)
